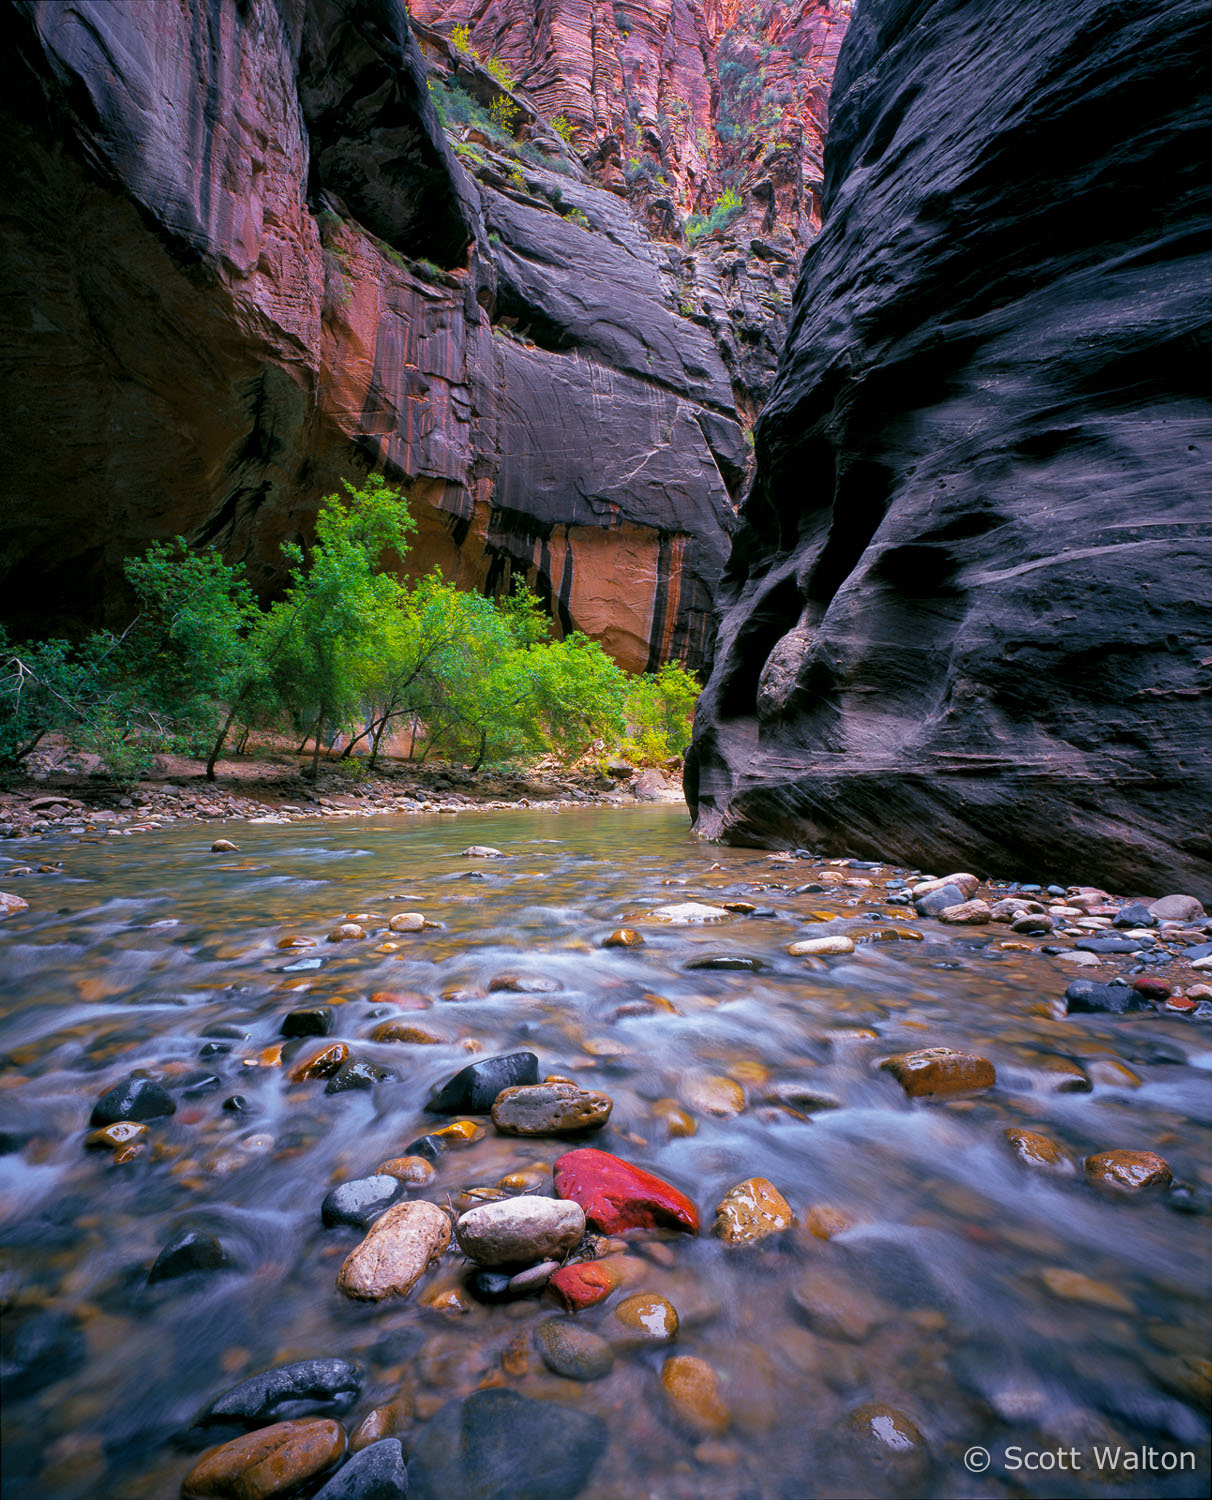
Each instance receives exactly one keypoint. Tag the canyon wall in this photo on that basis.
(968, 614)
(243, 258)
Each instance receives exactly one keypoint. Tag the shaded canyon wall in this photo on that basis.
(968, 614)
(242, 258)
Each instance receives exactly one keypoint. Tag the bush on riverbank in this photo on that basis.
(350, 650)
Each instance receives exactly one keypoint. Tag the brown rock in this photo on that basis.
(345, 932)
(712, 1094)
(407, 921)
(966, 914)
(319, 1062)
(886, 1434)
(1036, 1150)
(623, 937)
(648, 1316)
(1127, 1171)
(692, 1390)
(10, 904)
(274, 1461)
(823, 1221)
(549, 1109)
(400, 1031)
(835, 1307)
(1072, 1286)
(750, 1211)
(414, 1169)
(397, 1252)
(935, 1071)
(393, 1419)
(678, 1122)
(224, 846)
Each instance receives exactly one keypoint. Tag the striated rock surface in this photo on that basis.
(243, 259)
(967, 608)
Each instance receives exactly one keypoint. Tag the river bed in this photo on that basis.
(926, 1281)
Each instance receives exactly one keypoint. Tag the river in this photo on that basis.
(945, 1291)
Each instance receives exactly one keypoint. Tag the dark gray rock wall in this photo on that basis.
(968, 613)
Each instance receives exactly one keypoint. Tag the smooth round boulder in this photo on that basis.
(1177, 909)
(397, 1252)
(624, 937)
(482, 851)
(821, 947)
(937, 1071)
(517, 1231)
(550, 1109)
(313, 1020)
(692, 1391)
(1088, 996)
(262, 1465)
(1036, 1150)
(573, 1351)
(585, 1282)
(647, 1316)
(134, 1099)
(357, 1073)
(965, 914)
(361, 1201)
(10, 903)
(473, 1089)
(407, 921)
(617, 1195)
(192, 1250)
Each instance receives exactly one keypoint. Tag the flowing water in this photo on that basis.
(941, 1299)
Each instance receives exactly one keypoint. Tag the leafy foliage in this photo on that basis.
(723, 212)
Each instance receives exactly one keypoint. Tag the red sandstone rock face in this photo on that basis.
(243, 261)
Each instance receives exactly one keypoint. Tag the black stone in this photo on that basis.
(314, 1022)
(497, 1445)
(310, 1387)
(491, 1286)
(135, 1099)
(193, 1250)
(1136, 915)
(428, 1146)
(1200, 950)
(356, 1073)
(195, 1085)
(237, 1104)
(725, 961)
(473, 1089)
(361, 1201)
(1090, 996)
(933, 902)
(374, 1473)
(215, 1049)
(1108, 945)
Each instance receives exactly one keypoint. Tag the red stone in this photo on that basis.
(616, 1196)
(1152, 986)
(1181, 1003)
(583, 1284)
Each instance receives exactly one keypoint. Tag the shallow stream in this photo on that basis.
(941, 1298)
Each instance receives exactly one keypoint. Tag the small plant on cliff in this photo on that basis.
(575, 216)
(504, 114)
(723, 212)
(564, 128)
(500, 72)
(460, 40)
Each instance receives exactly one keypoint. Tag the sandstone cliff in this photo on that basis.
(968, 615)
(242, 258)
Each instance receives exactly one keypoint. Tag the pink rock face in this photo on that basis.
(617, 1196)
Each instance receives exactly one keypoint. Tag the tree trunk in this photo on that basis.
(483, 747)
(217, 747)
(314, 772)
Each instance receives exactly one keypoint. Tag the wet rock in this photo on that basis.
(623, 937)
(412, 1169)
(747, 962)
(938, 1071)
(123, 1133)
(497, 1445)
(357, 1073)
(837, 1308)
(305, 1388)
(678, 1121)
(10, 904)
(397, 1252)
(823, 1221)
(965, 914)
(313, 1021)
(1088, 995)
(346, 932)
(616, 1195)
(692, 1392)
(393, 1419)
(492, 1286)
(1152, 987)
(473, 1089)
(1177, 909)
(1036, 923)
(585, 1282)
(319, 1062)
(482, 851)
(192, 1250)
(224, 846)
(407, 921)
(199, 1083)
(573, 1351)
(523, 984)
(821, 947)
(1010, 907)
(1137, 914)
(1072, 1286)
(713, 1094)
(1108, 945)
(751, 1211)
(134, 1099)
(40, 1346)
(550, 1109)
(533, 1278)
(885, 1435)
(263, 1465)
(647, 1316)
(689, 914)
(518, 1230)
(1127, 1171)
(361, 1201)
(398, 1031)
(1036, 1150)
(938, 900)
(963, 882)
(376, 1472)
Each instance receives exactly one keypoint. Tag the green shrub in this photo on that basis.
(723, 212)
(460, 40)
(500, 72)
(563, 127)
(504, 114)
